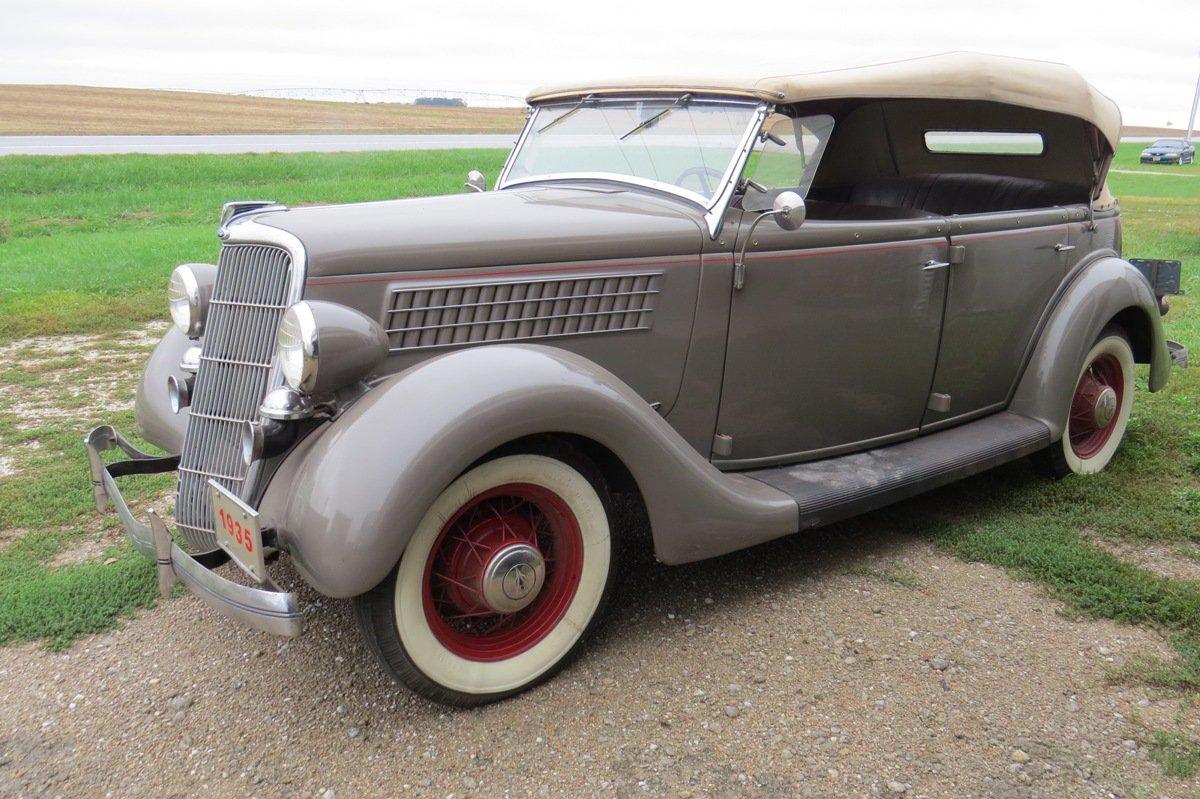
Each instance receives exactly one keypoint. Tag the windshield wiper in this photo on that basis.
(679, 103)
(560, 118)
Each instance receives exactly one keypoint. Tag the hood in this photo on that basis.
(536, 224)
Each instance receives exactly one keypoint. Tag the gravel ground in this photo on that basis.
(855, 664)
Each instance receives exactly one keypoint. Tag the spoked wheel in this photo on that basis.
(1099, 410)
(499, 583)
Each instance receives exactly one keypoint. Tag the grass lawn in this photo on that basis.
(86, 244)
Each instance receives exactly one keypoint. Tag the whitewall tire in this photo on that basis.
(500, 582)
(1100, 407)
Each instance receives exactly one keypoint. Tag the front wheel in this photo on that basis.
(1100, 407)
(501, 581)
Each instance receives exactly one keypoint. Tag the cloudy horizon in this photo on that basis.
(1148, 65)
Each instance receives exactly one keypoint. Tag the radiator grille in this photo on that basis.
(469, 313)
(250, 296)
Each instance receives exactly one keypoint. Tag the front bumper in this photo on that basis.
(270, 611)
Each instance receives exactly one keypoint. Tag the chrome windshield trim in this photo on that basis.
(714, 208)
(615, 177)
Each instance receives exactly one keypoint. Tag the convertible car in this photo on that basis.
(748, 306)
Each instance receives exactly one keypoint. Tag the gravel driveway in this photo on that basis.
(851, 664)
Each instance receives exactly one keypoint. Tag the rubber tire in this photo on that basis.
(1059, 460)
(377, 609)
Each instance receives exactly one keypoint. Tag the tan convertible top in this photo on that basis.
(1043, 85)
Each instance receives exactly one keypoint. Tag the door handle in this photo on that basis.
(1063, 247)
(931, 265)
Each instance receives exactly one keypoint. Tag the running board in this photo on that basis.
(837, 488)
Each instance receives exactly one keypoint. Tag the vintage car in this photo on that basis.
(742, 307)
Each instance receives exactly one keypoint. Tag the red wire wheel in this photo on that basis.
(513, 546)
(1099, 397)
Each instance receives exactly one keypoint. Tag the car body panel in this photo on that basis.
(523, 225)
(346, 500)
(1097, 290)
(661, 334)
(1010, 268)
(833, 339)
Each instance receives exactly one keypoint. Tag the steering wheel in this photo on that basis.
(703, 173)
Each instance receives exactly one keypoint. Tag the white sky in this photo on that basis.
(1144, 55)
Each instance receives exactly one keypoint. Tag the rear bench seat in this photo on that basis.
(953, 193)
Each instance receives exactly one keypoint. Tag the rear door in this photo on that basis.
(1008, 268)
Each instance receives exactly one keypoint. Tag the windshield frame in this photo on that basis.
(714, 208)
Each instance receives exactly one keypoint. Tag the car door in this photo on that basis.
(832, 338)
(1011, 264)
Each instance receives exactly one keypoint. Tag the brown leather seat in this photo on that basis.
(954, 193)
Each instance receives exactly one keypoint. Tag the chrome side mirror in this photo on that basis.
(789, 210)
(476, 181)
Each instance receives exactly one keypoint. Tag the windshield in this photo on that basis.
(685, 144)
(786, 158)
(1168, 144)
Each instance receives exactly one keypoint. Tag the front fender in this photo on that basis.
(159, 424)
(1093, 296)
(345, 502)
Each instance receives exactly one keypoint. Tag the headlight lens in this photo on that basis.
(186, 299)
(296, 347)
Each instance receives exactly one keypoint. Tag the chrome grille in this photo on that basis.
(469, 313)
(250, 296)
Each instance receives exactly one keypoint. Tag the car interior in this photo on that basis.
(877, 162)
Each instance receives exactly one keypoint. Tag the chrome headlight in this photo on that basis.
(187, 296)
(347, 344)
(296, 347)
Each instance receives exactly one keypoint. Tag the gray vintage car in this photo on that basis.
(743, 307)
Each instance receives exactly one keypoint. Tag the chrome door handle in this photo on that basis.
(931, 265)
(1063, 247)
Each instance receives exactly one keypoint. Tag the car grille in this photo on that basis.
(250, 296)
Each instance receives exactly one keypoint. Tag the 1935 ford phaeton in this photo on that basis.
(753, 306)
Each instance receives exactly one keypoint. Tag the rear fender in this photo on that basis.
(346, 500)
(1098, 292)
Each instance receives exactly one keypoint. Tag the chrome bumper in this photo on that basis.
(270, 611)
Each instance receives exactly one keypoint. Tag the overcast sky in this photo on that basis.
(1144, 55)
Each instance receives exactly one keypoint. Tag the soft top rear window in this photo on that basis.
(985, 142)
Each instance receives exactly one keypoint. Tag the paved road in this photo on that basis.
(283, 143)
(307, 143)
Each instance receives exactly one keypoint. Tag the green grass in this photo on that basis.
(87, 242)
(1178, 756)
(46, 507)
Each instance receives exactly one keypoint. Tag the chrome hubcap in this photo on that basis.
(1105, 408)
(513, 578)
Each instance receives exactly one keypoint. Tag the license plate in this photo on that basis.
(238, 532)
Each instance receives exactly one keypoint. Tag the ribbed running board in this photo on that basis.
(836, 488)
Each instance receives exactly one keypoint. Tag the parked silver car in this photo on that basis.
(752, 307)
(1169, 151)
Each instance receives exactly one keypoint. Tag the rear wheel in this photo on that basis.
(1100, 406)
(501, 581)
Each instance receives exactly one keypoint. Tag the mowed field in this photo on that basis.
(87, 244)
(33, 110)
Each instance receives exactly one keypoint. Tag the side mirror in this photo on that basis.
(789, 210)
(476, 181)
